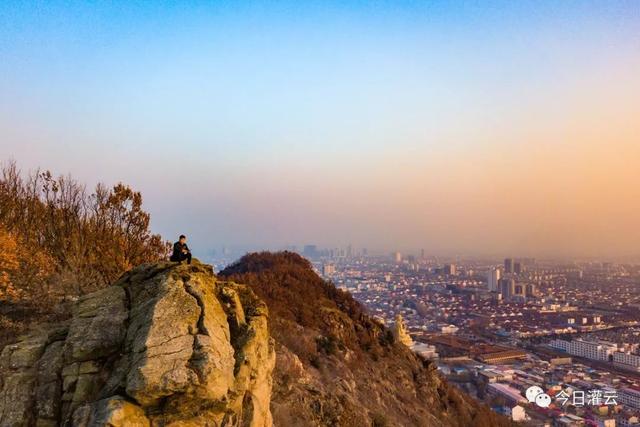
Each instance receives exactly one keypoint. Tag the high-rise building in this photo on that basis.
(508, 265)
(398, 257)
(507, 287)
(450, 269)
(517, 267)
(493, 280)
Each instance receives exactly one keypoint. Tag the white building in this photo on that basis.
(512, 395)
(594, 350)
(629, 397)
(425, 350)
(627, 360)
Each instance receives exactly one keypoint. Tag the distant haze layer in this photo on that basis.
(493, 128)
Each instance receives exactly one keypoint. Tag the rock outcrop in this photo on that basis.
(166, 345)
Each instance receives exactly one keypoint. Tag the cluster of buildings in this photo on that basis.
(495, 329)
(624, 356)
(579, 395)
(509, 282)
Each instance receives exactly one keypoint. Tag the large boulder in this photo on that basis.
(166, 345)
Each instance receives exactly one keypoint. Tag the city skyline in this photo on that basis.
(226, 253)
(460, 129)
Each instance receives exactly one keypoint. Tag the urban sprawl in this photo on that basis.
(496, 328)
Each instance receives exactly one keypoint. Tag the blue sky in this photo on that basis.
(271, 123)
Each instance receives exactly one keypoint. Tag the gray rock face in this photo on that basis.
(166, 345)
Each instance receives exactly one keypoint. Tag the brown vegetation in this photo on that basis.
(296, 295)
(335, 365)
(59, 241)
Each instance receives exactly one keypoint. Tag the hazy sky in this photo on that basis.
(461, 127)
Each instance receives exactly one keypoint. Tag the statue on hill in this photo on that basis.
(181, 251)
(400, 332)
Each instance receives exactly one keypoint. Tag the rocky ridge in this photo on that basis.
(166, 345)
(337, 366)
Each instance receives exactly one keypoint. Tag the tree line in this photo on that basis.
(59, 241)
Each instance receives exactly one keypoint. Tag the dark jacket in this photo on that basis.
(177, 254)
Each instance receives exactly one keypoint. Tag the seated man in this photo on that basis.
(181, 251)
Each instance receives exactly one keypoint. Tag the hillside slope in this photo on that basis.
(336, 366)
(174, 345)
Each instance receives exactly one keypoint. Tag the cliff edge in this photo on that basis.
(166, 345)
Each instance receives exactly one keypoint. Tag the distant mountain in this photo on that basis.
(335, 365)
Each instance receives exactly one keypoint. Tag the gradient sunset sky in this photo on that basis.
(507, 128)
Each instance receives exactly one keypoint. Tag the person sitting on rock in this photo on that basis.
(181, 251)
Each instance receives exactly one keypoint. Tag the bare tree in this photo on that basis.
(71, 241)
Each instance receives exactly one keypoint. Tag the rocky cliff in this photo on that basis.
(166, 345)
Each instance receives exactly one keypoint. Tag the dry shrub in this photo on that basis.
(60, 241)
